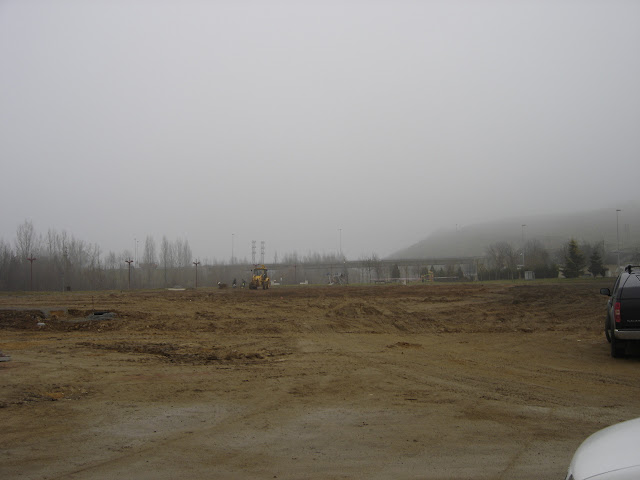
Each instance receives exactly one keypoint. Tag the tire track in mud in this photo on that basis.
(548, 400)
(234, 420)
(460, 396)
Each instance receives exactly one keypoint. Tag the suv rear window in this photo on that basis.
(631, 288)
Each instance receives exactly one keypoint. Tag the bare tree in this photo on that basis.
(377, 265)
(5, 262)
(183, 253)
(111, 262)
(25, 240)
(536, 253)
(502, 257)
(111, 270)
(165, 256)
(185, 259)
(149, 258)
(93, 274)
(368, 265)
(182, 258)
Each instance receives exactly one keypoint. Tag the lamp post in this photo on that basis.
(65, 255)
(31, 260)
(129, 261)
(618, 235)
(196, 263)
(523, 225)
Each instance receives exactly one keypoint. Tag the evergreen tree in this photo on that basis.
(395, 271)
(595, 264)
(574, 261)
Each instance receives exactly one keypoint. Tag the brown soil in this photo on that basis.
(478, 381)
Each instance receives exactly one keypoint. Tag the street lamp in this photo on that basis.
(523, 225)
(65, 261)
(196, 263)
(618, 235)
(129, 261)
(31, 260)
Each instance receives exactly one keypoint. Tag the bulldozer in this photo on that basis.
(259, 278)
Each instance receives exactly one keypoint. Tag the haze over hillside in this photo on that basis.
(334, 127)
(552, 230)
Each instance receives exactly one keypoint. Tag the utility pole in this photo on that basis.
(64, 268)
(196, 263)
(31, 260)
(340, 230)
(523, 225)
(618, 235)
(129, 261)
(232, 241)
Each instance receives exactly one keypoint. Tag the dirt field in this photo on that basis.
(469, 381)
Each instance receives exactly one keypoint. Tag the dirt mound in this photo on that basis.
(21, 319)
(355, 310)
(46, 319)
(181, 354)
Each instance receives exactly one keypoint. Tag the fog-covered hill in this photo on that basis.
(552, 230)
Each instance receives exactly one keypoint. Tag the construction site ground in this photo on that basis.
(430, 381)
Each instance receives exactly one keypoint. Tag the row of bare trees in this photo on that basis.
(502, 261)
(59, 261)
(55, 261)
(313, 267)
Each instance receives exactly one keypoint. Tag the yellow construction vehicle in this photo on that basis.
(259, 278)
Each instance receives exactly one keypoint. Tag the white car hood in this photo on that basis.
(614, 448)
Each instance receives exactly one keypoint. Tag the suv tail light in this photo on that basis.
(616, 312)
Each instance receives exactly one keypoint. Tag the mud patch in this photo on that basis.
(404, 345)
(47, 393)
(52, 318)
(182, 354)
(20, 319)
(355, 310)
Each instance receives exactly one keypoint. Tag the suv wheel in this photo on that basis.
(607, 333)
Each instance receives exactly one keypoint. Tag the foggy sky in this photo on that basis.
(286, 121)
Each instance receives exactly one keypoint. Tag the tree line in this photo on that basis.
(60, 261)
(503, 261)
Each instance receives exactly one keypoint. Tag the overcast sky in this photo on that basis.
(286, 121)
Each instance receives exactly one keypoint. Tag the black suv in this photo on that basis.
(623, 310)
